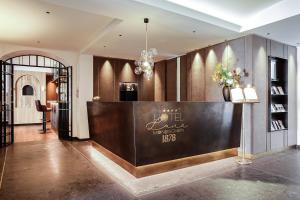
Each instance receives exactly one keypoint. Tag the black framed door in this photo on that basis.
(65, 102)
(7, 104)
(63, 78)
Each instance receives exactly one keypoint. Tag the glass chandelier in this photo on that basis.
(145, 63)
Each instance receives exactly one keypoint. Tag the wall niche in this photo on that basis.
(27, 90)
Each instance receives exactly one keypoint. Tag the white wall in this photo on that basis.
(83, 86)
(298, 96)
(85, 93)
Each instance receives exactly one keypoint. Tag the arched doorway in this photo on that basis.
(62, 77)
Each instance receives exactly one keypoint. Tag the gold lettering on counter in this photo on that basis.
(167, 123)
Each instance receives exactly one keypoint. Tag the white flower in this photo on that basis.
(238, 70)
(229, 81)
(229, 74)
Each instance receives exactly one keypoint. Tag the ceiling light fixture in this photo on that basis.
(145, 63)
(48, 12)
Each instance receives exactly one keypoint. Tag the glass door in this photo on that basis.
(7, 104)
(65, 102)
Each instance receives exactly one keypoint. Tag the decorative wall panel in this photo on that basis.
(159, 81)
(25, 110)
(171, 80)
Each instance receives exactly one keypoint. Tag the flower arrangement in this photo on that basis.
(224, 77)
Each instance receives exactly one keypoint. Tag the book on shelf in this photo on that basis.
(277, 108)
(280, 107)
(274, 90)
(277, 125)
(272, 127)
(280, 90)
(281, 124)
(273, 108)
(277, 90)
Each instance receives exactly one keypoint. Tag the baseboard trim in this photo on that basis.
(31, 124)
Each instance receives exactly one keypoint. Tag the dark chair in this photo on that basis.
(44, 109)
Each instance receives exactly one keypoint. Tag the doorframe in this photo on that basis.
(69, 84)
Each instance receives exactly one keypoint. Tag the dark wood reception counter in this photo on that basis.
(151, 137)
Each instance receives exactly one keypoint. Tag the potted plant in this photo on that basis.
(228, 79)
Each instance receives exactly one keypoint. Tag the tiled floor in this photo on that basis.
(51, 169)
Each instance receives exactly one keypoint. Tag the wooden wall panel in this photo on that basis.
(106, 77)
(171, 73)
(124, 72)
(97, 62)
(196, 75)
(146, 89)
(183, 78)
(109, 72)
(159, 80)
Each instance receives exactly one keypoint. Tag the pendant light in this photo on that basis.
(145, 63)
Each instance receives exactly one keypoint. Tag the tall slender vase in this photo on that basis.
(226, 93)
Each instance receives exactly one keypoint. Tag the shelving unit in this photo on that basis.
(278, 94)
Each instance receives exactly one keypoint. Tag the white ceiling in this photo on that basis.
(286, 31)
(235, 11)
(94, 26)
(26, 22)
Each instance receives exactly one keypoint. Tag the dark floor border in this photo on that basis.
(79, 139)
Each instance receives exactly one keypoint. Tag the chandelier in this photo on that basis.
(145, 63)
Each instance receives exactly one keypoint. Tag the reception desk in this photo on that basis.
(152, 137)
